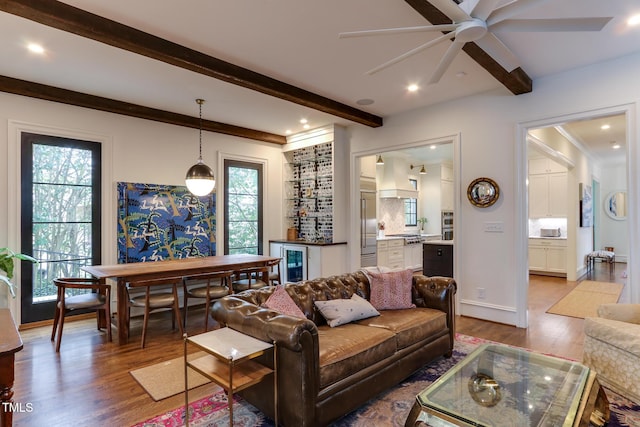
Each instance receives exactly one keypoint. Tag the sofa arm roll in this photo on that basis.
(262, 323)
(434, 292)
(622, 335)
(629, 313)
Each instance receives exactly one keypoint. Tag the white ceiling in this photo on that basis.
(598, 141)
(295, 41)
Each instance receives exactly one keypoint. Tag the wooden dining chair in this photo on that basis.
(250, 278)
(210, 287)
(155, 300)
(275, 278)
(90, 294)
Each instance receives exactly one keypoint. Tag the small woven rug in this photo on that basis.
(390, 408)
(584, 299)
(166, 379)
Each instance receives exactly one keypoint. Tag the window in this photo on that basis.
(411, 207)
(61, 216)
(242, 207)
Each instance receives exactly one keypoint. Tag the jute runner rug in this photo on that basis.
(584, 299)
(166, 379)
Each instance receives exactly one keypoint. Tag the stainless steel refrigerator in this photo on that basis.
(368, 229)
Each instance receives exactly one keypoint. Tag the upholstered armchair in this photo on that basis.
(612, 348)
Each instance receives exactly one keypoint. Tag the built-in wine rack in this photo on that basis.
(309, 192)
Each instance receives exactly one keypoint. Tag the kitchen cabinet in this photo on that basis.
(446, 188)
(320, 260)
(368, 167)
(413, 256)
(391, 253)
(437, 259)
(548, 195)
(547, 189)
(327, 260)
(544, 165)
(548, 256)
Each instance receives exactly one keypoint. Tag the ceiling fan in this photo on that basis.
(476, 21)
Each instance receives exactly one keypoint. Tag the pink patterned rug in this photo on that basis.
(388, 409)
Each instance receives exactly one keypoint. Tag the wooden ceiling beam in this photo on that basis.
(517, 81)
(65, 96)
(77, 21)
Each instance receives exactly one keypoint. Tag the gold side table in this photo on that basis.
(229, 364)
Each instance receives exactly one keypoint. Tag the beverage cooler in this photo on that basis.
(294, 263)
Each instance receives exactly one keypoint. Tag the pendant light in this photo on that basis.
(423, 170)
(200, 179)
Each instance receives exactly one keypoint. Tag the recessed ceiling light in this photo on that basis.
(35, 48)
(365, 101)
(306, 126)
(605, 127)
(633, 21)
(413, 88)
(303, 121)
(288, 131)
(433, 146)
(615, 145)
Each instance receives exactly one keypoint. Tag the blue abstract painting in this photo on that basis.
(162, 222)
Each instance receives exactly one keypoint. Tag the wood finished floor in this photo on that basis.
(88, 383)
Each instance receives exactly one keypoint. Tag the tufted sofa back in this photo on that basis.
(304, 294)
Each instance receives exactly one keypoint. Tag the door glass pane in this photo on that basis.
(62, 199)
(243, 209)
(60, 216)
(294, 260)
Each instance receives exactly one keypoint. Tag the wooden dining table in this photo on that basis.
(124, 273)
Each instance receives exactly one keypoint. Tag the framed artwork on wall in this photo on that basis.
(161, 222)
(586, 206)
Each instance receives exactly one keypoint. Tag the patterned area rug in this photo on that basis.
(388, 409)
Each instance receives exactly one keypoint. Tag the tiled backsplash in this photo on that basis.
(392, 213)
(536, 224)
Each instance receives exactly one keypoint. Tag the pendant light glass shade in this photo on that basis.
(200, 179)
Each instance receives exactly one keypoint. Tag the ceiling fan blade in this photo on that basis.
(446, 60)
(385, 31)
(511, 9)
(451, 9)
(551, 25)
(482, 9)
(412, 52)
(499, 52)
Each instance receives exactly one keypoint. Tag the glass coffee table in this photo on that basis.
(497, 385)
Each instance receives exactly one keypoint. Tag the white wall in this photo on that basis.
(491, 127)
(613, 232)
(134, 150)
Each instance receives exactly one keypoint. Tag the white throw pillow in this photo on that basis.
(341, 311)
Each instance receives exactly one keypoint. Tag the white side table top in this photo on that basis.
(229, 343)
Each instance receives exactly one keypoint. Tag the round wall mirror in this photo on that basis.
(615, 205)
(483, 192)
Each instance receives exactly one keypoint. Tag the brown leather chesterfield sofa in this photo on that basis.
(324, 373)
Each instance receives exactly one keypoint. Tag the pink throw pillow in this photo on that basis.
(391, 291)
(282, 302)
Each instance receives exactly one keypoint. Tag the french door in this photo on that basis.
(61, 216)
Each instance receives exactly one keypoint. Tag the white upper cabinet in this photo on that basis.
(547, 189)
(544, 165)
(446, 188)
